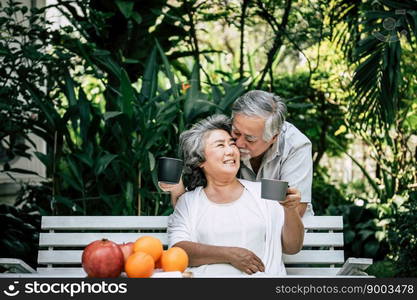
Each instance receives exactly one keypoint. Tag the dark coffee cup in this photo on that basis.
(169, 170)
(273, 189)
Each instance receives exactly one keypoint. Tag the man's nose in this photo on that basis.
(240, 142)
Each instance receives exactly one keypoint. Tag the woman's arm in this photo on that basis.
(293, 229)
(242, 259)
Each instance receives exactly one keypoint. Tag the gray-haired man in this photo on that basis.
(270, 147)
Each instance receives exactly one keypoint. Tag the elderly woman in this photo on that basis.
(222, 222)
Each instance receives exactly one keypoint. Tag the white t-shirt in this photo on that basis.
(234, 224)
(249, 222)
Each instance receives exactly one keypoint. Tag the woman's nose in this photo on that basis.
(229, 149)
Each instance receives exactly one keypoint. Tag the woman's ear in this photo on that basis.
(275, 138)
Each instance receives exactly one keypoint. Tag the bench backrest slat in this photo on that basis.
(155, 222)
(76, 239)
(104, 222)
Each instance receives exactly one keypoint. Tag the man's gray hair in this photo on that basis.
(192, 143)
(262, 104)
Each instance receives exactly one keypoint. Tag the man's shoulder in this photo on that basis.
(293, 136)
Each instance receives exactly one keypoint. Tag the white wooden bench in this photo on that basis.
(63, 238)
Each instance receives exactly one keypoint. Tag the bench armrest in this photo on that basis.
(355, 266)
(15, 265)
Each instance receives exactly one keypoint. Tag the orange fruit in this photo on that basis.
(150, 245)
(158, 262)
(139, 265)
(174, 259)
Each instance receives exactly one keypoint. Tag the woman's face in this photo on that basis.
(222, 154)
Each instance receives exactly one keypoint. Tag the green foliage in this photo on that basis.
(311, 111)
(325, 194)
(360, 231)
(382, 269)
(402, 236)
(363, 232)
(373, 35)
(102, 150)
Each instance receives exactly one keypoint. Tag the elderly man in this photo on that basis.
(270, 147)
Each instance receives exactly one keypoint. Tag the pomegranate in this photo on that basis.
(127, 249)
(102, 259)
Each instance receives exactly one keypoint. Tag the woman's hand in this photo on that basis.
(245, 260)
(292, 200)
(176, 190)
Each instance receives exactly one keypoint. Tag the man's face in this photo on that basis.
(248, 132)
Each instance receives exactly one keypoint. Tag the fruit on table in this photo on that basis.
(102, 259)
(139, 265)
(174, 259)
(127, 249)
(158, 262)
(150, 245)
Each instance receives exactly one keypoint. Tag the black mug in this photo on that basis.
(273, 189)
(169, 170)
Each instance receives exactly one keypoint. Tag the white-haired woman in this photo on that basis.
(222, 222)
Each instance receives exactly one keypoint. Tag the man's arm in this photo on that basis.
(298, 171)
(242, 259)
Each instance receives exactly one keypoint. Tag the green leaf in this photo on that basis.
(128, 193)
(68, 203)
(150, 76)
(103, 162)
(22, 171)
(127, 94)
(349, 236)
(371, 248)
(125, 7)
(137, 17)
(365, 234)
(76, 173)
(84, 157)
(111, 114)
(45, 159)
(151, 161)
(231, 94)
(168, 70)
(412, 121)
(71, 182)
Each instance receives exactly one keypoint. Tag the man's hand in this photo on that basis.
(176, 190)
(245, 260)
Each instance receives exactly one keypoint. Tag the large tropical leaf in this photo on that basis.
(377, 55)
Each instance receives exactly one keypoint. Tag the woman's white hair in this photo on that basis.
(262, 104)
(192, 143)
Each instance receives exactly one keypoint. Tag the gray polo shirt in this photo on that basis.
(289, 159)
